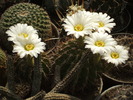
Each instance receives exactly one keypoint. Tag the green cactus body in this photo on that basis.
(111, 7)
(24, 13)
(67, 57)
(2, 59)
(28, 13)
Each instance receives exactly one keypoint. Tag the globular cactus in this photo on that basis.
(83, 80)
(112, 7)
(3, 59)
(28, 13)
(59, 96)
(25, 13)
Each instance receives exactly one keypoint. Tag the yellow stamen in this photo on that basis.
(29, 47)
(78, 27)
(23, 34)
(101, 24)
(100, 43)
(115, 55)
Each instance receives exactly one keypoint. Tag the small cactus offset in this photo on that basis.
(2, 59)
(28, 13)
(111, 7)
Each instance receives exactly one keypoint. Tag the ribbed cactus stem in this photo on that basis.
(38, 96)
(59, 96)
(57, 77)
(8, 94)
(37, 76)
(80, 42)
(10, 74)
(62, 84)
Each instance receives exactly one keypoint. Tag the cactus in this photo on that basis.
(66, 58)
(27, 13)
(8, 94)
(2, 59)
(59, 96)
(111, 7)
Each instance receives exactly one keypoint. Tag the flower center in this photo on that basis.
(100, 43)
(101, 24)
(29, 47)
(114, 55)
(78, 27)
(25, 35)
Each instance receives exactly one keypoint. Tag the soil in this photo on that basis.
(118, 92)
